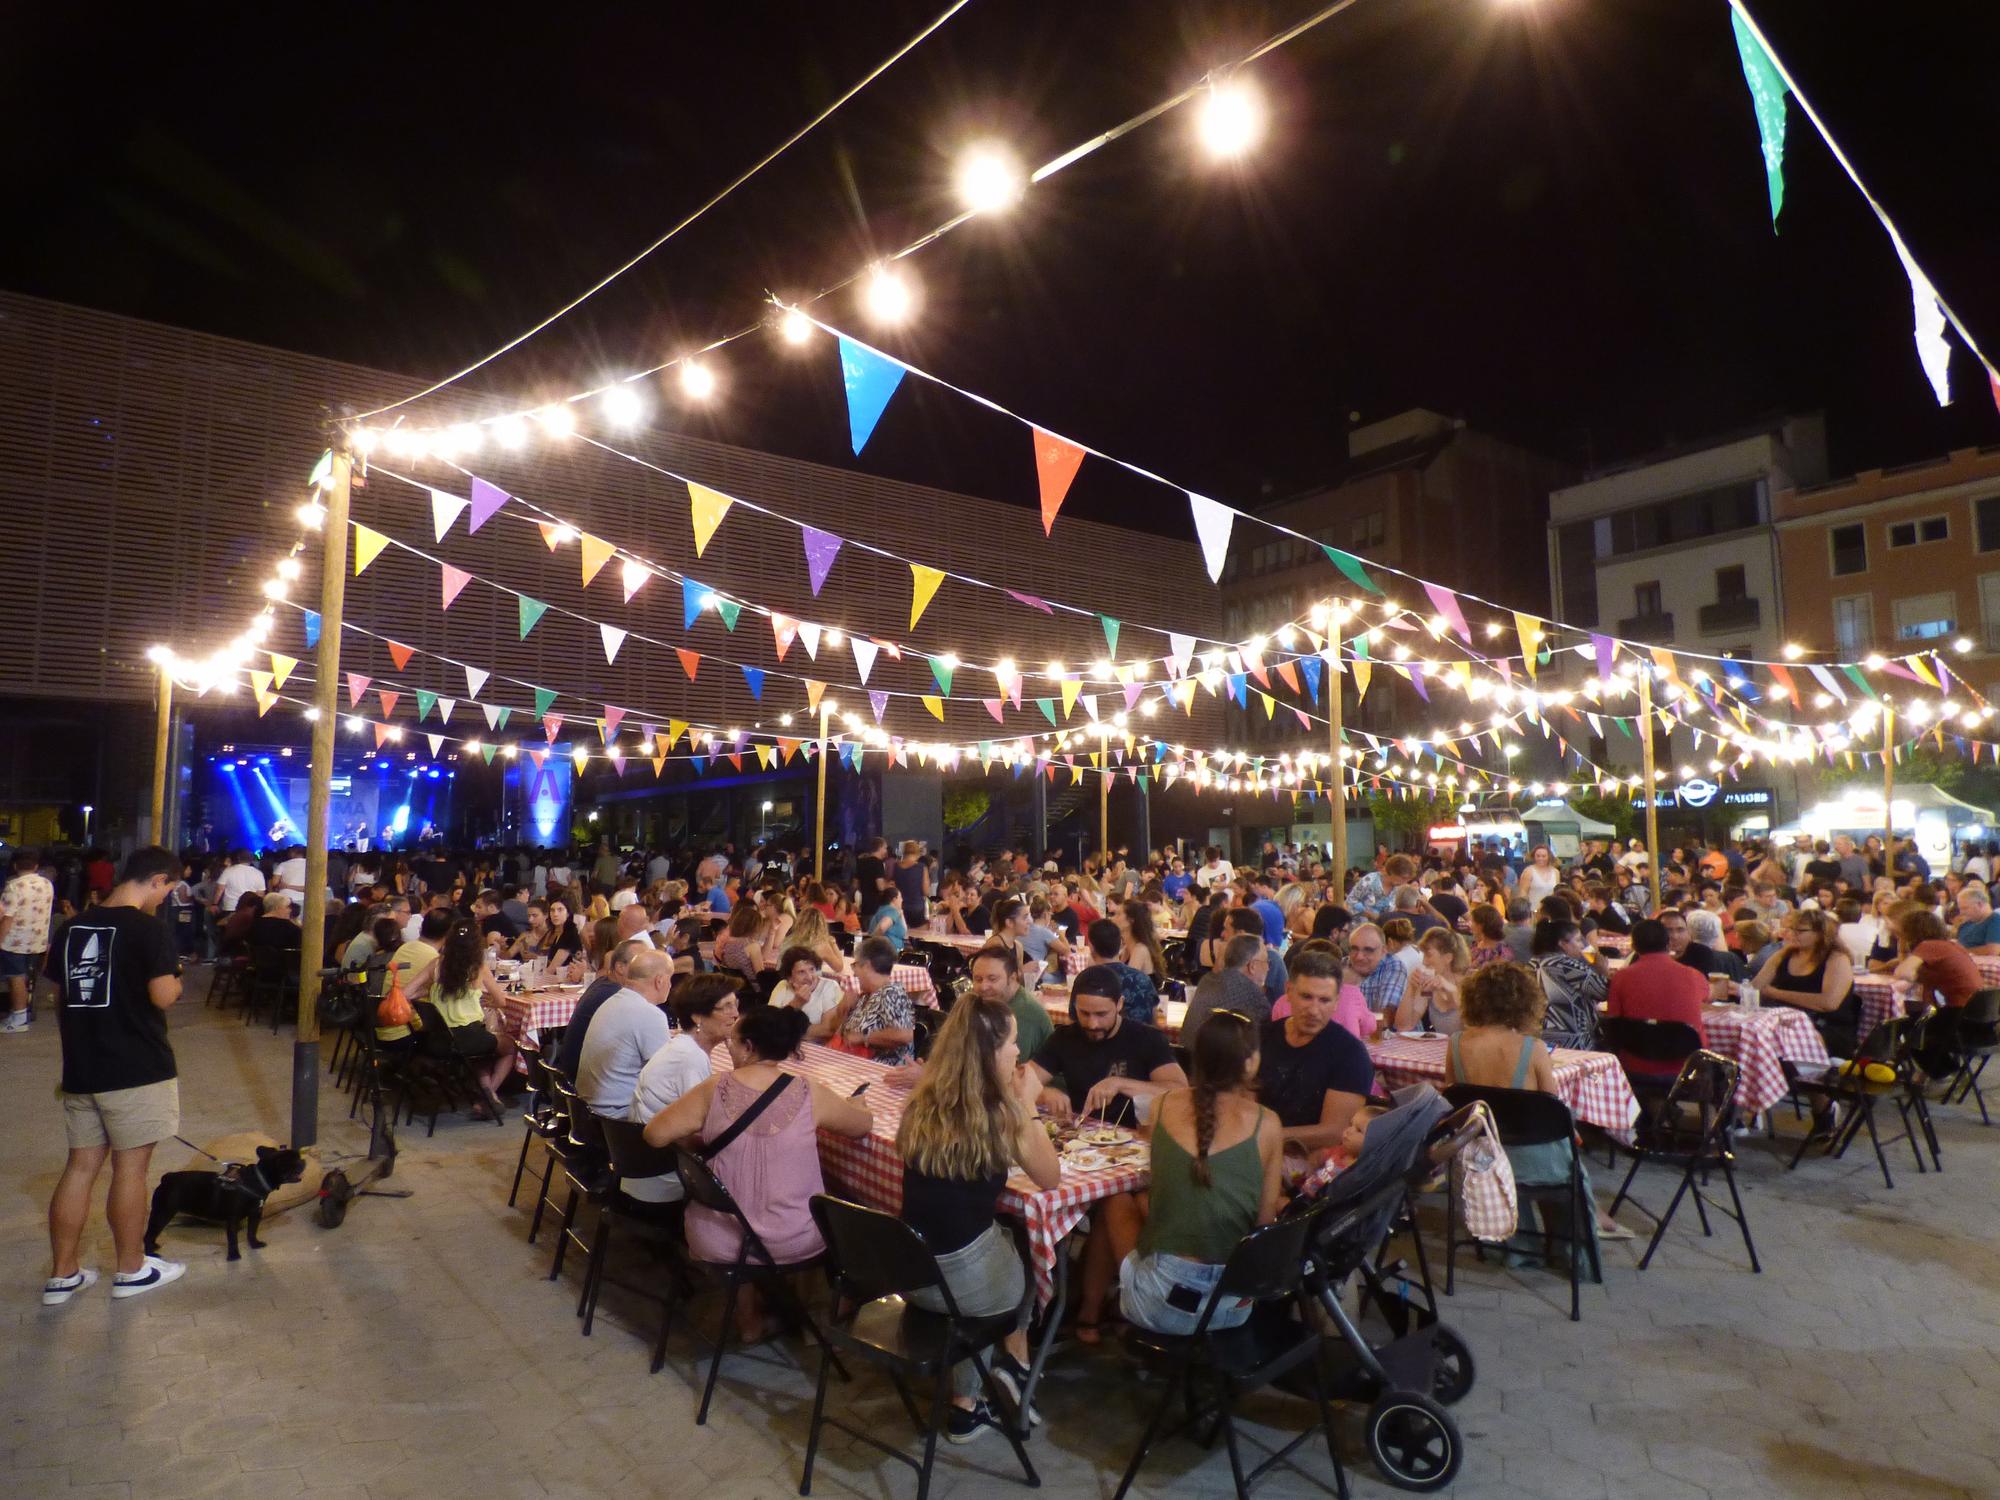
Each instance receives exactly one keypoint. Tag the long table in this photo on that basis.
(1883, 996)
(1592, 1084)
(1761, 1042)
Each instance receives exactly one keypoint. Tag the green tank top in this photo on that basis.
(1196, 1222)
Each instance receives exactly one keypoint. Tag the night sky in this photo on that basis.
(1545, 216)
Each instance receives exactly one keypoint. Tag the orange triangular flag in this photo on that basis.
(813, 691)
(659, 765)
(690, 660)
(388, 702)
(1056, 462)
(596, 553)
(381, 735)
(552, 533)
(400, 654)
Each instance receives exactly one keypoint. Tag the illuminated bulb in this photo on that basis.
(464, 438)
(888, 295)
(510, 433)
(1229, 119)
(261, 627)
(1874, 663)
(557, 419)
(784, 721)
(274, 588)
(312, 715)
(623, 406)
(1287, 636)
(834, 637)
(795, 326)
(1101, 670)
(1055, 669)
(990, 179)
(565, 533)
(1962, 645)
(311, 515)
(288, 568)
(1822, 700)
(354, 723)
(634, 573)
(697, 380)
(1793, 651)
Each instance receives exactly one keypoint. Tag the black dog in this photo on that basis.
(231, 1199)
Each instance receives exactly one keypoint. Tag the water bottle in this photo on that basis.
(1746, 995)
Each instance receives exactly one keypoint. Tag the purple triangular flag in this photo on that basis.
(486, 499)
(1607, 653)
(1032, 602)
(1132, 692)
(1417, 682)
(878, 701)
(821, 549)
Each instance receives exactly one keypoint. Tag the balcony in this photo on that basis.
(1731, 615)
(1657, 630)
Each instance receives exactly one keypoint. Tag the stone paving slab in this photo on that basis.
(419, 1353)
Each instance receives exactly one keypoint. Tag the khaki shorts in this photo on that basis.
(123, 1118)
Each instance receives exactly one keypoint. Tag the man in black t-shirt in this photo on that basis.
(1313, 1074)
(1105, 1061)
(871, 877)
(118, 972)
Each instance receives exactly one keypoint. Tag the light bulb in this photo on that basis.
(622, 405)
(510, 432)
(697, 380)
(288, 568)
(990, 179)
(888, 295)
(1230, 118)
(795, 326)
(557, 419)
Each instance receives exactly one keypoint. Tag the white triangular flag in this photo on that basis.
(493, 712)
(475, 679)
(1212, 523)
(437, 743)
(1932, 350)
(445, 509)
(810, 635)
(1183, 650)
(864, 655)
(613, 639)
(445, 706)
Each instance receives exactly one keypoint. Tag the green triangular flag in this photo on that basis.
(1854, 675)
(545, 699)
(322, 471)
(1048, 708)
(729, 609)
(487, 751)
(1360, 645)
(943, 675)
(1349, 564)
(1767, 97)
(425, 703)
(500, 720)
(532, 611)
(1110, 632)
(1623, 728)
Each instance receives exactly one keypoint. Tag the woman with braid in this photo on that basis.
(1216, 1156)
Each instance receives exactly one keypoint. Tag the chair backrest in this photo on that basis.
(874, 1254)
(767, 984)
(1266, 1262)
(705, 1188)
(1979, 1019)
(1881, 1044)
(434, 1036)
(586, 1126)
(1649, 1041)
(1707, 1080)
(921, 1026)
(631, 1157)
(1524, 1117)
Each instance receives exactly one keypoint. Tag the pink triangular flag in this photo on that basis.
(454, 580)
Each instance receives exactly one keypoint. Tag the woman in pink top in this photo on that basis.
(771, 1168)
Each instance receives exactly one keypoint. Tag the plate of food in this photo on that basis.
(1083, 1159)
(1102, 1135)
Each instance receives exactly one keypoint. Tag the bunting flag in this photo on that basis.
(488, 752)
(445, 509)
(935, 705)
(1829, 682)
(993, 707)
(496, 716)
(400, 654)
(1607, 653)
(923, 588)
(690, 661)
(1031, 601)
(1350, 566)
(809, 634)
(692, 596)
(312, 628)
(356, 686)
(1767, 97)
(1180, 653)
(1110, 627)
(784, 631)
(445, 706)
(730, 611)
(381, 735)
(545, 699)
(260, 685)
(595, 552)
(1056, 461)
(368, 545)
(281, 668)
(1362, 670)
(864, 655)
(486, 499)
(941, 674)
(635, 575)
(1212, 523)
(1071, 686)
(426, 701)
(613, 638)
(754, 678)
(532, 611)
(1445, 602)
(870, 379)
(878, 703)
(551, 727)
(452, 582)
(388, 700)
(813, 691)
(1311, 666)
(607, 727)
(1048, 708)
(554, 533)
(821, 549)
(675, 729)
(436, 742)
(707, 507)
(1933, 353)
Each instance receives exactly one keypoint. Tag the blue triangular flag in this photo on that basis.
(1236, 682)
(692, 594)
(755, 677)
(700, 763)
(871, 379)
(1310, 666)
(312, 628)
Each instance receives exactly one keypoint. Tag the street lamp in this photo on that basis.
(87, 811)
(763, 823)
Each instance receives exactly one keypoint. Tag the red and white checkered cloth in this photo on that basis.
(526, 1015)
(1760, 1042)
(1882, 997)
(1613, 942)
(871, 1169)
(1592, 1084)
(914, 978)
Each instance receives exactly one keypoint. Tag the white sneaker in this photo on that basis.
(151, 1275)
(57, 1290)
(17, 1020)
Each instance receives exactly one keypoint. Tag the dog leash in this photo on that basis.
(199, 1152)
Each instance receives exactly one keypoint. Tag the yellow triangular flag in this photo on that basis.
(710, 506)
(596, 553)
(1362, 672)
(261, 681)
(935, 705)
(659, 765)
(281, 668)
(1071, 686)
(764, 756)
(813, 691)
(1529, 629)
(675, 729)
(923, 586)
(368, 545)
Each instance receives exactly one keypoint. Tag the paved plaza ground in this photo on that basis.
(417, 1353)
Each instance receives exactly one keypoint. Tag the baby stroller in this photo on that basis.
(1423, 1367)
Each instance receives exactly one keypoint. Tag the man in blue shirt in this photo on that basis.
(1249, 919)
(1178, 879)
(1978, 924)
(1267, 908)
(1380, 978)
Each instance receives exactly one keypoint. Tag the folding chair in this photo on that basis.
(1690, 1129)
(1631, 1039)
(1265, 1267)
(657, 1223)
(1527, 1117)
(1891, 1044)
(876, 1262)
(1976, 1037)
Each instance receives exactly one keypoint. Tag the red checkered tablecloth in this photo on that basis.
(1592, 1084)
(1883, 996)
(914, 978)
(1760, 1042)
(1612, 942)
(526, 1015)
(871, 1168)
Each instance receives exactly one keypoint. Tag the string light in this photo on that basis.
(1230, 118)
(697, 381)
(990, 179)
(795, 326)
(623, 406)
(888, 296)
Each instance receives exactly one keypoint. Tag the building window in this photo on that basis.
(1730, 584)
(1989, 609)
(1986, 523)
(1646, 600)
(1850, 549)
(1853, 625)
(1911, 533)
(1369, 531)
(1927, 617)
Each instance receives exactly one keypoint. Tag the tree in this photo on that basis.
(1402, 822)
(965, 805)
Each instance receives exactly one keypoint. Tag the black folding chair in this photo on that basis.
(754, 1264)
(1668, 1044)
(274, 984)
(876, 1262)
(1690, 1128)
(540, 1121)
(1976, 1036)
(1893, 1045)
(587, 1171)
(1265, 1267)
(439, 1062)
(1527, 1117)
(658, 1224)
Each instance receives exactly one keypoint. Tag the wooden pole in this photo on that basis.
(1652, 789)
(819, 805)
(326, 706)
(162, 748)
(1337, 798)
(1889, 790)
(1104, 802)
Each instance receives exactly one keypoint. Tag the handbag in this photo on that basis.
(395, 1008)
